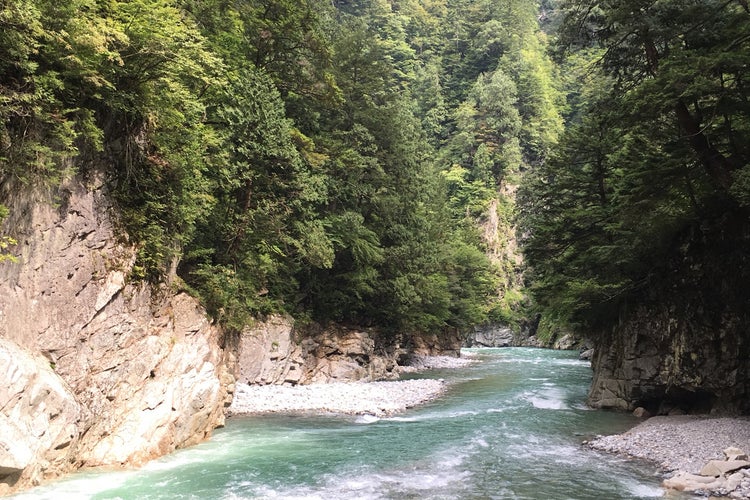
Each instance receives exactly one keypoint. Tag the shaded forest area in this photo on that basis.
(369, 161)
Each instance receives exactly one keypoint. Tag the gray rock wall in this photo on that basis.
(670, 359)
(277, 352)
(685, 344)
(504, 336)
(100, 371)
(492, 336)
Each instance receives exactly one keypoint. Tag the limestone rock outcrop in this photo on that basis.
(491, 336)
(39, 416)
(444, 344)
(277, 352)
(100, 371)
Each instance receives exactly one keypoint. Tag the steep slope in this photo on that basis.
(95, 370)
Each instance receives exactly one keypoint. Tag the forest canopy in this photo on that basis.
(329, 160)
(358, 160)
(654, 159)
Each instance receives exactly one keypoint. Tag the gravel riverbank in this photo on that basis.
(683, 445)
(681, 442)
(354, 398)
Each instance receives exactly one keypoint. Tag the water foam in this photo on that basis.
(642, 490)
(549, 398)
(82, 486)
(419, 480)
(366, 419)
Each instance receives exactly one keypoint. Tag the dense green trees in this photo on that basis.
(359, 160)
(656, 150)
(278, 155)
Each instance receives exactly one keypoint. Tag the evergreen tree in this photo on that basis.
(654, 152)
(281, 156)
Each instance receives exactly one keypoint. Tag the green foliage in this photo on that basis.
(262, 228)
(36, 129)
(332, 160)
(503, 118)
(538, 98)
(655, 148)
(161, 162)
(487, 129)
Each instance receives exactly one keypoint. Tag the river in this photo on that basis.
(510, 427)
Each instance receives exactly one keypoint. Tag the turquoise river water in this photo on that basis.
(510, 427)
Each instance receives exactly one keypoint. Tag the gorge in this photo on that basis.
(196, 194)
(102, 372)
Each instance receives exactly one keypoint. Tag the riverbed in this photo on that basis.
(509, 426)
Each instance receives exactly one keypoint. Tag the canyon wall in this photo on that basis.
(278, 351)
(95, 370)
(674, 359)
(684, 346)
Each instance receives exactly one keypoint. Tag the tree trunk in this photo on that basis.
(717, 166)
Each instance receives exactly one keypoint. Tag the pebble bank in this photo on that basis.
(684, 446)
(352, 398)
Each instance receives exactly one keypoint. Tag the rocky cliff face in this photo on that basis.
(94, 370)
(504, 336)
(275, 352)
(686, 346)
(665, 364)
(492, 336)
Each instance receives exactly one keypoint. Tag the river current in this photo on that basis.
(510, 427)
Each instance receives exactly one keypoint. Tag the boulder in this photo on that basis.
(269, 354)
(566, 343)
(164, 390)
(685, 481)
(733, 453)
(641, 412)
(717, 468)
(723, 486)
(435, 344)
(533, 341)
